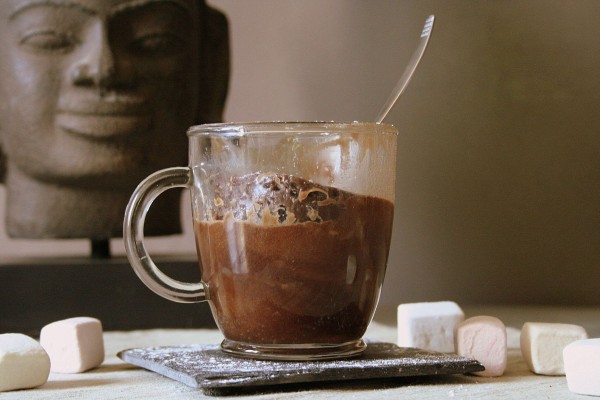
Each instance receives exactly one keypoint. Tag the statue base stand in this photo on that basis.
(35, 292)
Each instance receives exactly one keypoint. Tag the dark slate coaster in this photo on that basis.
(207, 367)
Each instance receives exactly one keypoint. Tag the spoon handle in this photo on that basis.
(409, 70)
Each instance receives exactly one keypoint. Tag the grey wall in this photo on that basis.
(498, 196)
(499, 172)
(498, 175)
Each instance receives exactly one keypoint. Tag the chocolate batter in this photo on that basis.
(288, 261)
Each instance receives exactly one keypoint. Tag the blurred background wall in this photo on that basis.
(498, 174)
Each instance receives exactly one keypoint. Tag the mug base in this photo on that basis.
(293, 352)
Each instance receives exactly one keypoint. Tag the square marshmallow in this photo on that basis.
(429, 326)
(542, 345)
(74, 345)
(484, 339)
(23, 362)
(582, 366)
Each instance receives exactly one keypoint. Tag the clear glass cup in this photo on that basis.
(292, 223)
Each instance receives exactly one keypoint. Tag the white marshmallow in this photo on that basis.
(582, 366)
(74, 345)
(484, 339)
(429, 326)
(23, 362)
(542, 345)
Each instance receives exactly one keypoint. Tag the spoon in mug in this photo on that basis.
(409, 70)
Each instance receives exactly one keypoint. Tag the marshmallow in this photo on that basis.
(74, 345)
(484, 339)
(542, 345)
(23, 362)
(582, 366)
(429, 326)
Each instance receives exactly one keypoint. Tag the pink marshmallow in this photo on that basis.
(582, 366)
(484, 339)
(74, 345)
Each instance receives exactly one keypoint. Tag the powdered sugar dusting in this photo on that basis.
(207, 367)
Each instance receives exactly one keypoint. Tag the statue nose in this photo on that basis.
(98, 67)
(100, 76)
(85, 74)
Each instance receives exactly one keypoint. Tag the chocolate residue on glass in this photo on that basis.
(275, 198)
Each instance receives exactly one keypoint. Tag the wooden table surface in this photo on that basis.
(115, 379)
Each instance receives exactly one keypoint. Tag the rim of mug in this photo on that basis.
(274, 127)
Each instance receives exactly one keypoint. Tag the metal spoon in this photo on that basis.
(409, 70)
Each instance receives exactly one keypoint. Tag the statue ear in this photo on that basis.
(214, 66)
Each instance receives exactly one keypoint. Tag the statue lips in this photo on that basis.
(105, 118)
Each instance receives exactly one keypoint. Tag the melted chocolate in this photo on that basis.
(288, 261)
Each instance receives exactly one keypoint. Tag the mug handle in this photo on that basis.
(133, 234)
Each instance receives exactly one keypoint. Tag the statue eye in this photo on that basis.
(158, 44)
(48, 40)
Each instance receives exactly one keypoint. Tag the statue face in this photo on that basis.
(97, 93)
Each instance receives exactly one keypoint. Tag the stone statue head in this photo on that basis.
(94, 96)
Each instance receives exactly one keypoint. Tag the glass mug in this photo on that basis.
(292, 224)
